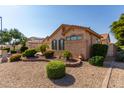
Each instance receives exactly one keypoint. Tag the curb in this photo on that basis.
(107, 77)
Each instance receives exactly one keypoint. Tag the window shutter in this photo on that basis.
(63, 44)
(55, 44)
(59, 44)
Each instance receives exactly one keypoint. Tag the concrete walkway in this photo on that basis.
(108, 75)
(117, 76)
(114, 76)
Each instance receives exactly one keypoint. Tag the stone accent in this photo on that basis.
(74, 64)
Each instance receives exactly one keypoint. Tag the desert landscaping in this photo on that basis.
(70, 56)
(33, 74)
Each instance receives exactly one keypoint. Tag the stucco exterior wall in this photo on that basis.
(111, 50)
(90, 40)
(105, 38)
(56, 36)
(76, 47)
(105, 41)
(33, 43)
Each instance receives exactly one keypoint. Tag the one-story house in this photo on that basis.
(34, 42)
(76, 39)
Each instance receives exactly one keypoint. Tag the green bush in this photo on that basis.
(49, 54)
(119, 48)
(43, 48)
(29, 53)
(13, 51)
(8, 49)
(37, 49)
(120, 56)
(96, 60)
(122, 47)
(23, 48)
(15, 57)
(55, 69)
(67, 54)
(99, 50)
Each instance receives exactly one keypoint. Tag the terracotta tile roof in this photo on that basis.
(106, 35)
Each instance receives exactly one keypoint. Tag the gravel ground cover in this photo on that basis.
(33, 74)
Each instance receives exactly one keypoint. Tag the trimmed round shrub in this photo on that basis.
(49, 54)
(29, 53)
(99, 50)
(119, 48)
(43, 48)
(55, 69)
(96, 60)
(23, 48)
(13, 51)
(67, 54)
(15, 57)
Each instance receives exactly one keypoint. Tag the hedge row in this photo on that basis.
(99, 52)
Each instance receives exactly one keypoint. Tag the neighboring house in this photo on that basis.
(34, 42)
(105, 39)
(111, 50)
(3, 46)
(45, 41)
(77, 39)
(111, 46)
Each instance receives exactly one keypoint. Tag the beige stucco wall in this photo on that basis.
(111, 50)
(56, 36)
(105, 41)
(33, 43)
(76, 47)
(90, 40)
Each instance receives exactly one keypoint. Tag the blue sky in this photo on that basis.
(41, 21)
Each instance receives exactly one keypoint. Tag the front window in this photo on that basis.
(61, 44)
(68, 38)
(54, 44)
(73, 37)
(97, 41)
(78, 37)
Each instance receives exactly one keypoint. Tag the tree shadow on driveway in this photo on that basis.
(65, 81)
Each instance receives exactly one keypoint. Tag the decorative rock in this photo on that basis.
(34, 59)
(4, 59)
(74, 64)
(38, 54)
(81, 57)
(4, 56)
